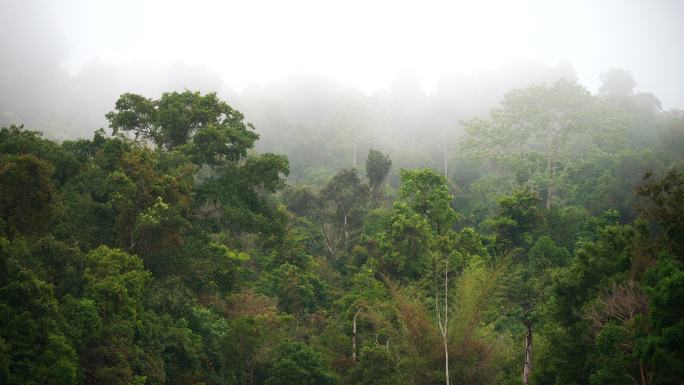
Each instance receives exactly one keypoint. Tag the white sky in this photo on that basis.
(366, 43)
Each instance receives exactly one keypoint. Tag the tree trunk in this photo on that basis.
(251, 375)
(549, 188)
(354, 155)
(444, 327)
(528, 355)
(328, 243)
(642, 372)
(446, 360)
(446, 318)
(346, 234)
(354, 335)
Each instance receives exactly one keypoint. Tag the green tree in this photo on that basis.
(19, 141)
(26, 192)
(662, 203)
(517, 218)
(213, 136)
(405, 243)
(529, 264)
(295, 363)
(617, 81)
(539, 130)
(173, 119)
(662, 348)
(345, 201)
(115, 281)
(299, 292)
(34, 349)
(377, 168)
(427, 194)
(376, 366)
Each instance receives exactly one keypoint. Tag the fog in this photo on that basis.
(386, 73)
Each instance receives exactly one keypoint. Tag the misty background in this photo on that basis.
(321, 80)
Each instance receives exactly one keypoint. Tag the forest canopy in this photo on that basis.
(546, 249)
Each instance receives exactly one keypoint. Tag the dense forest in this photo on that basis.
(539, 242)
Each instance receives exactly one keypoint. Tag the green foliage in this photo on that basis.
(115, 281)
(376, 366)
(546, 254)
(518, 216)
(215, 138)
(59, 362)
(663, 205)
(19, 141)
(298, 292)
(477, 351)
(665, 286)
(174, 253)
(294, 363)
(406, 236)
(539, 131)
(243, 206)
(377, 168)
(405, 243)
(347, 195)
(26, 192)
(28, 311)
(176, 117)
(301, 200)
(427, 194)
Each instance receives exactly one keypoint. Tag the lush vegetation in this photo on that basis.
(171, 252)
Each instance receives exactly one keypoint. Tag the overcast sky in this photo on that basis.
(365, 43)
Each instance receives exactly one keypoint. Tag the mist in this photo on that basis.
(388, 75)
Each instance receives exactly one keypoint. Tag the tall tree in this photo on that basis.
(173, 119)
(214, 137)
(427, 194)
(377, 168)
(346, 197)
(26, 192)
(662, 203)
(517, 220)
(617, 81)
(538, 130)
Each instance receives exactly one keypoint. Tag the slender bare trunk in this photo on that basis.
(446, 163)
(328, 243)
(346, 234)
(642, 373)
(446, 361)
(446, 319)
(354, 155)
(527, 370)
(549, 188)
(444, 327)
(354, 335)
